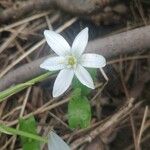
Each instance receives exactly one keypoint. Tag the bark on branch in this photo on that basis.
(72, 6)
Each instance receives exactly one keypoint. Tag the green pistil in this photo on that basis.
(71, 61)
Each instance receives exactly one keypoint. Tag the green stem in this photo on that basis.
(15, 89)
(8, 130)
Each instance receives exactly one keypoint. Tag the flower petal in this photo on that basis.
(92, 60)
(54, 63)
(56, 143)
(62, 82)
(57, 43)
(80, 42)
(84, 77)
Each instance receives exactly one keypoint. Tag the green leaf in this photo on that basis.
(15, 89)
(84, 89)
(79, 111)
(93, 73)
(9, 130)
(29, 125)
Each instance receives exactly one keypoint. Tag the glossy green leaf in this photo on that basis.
(79, 111)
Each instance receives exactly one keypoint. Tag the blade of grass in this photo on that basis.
(15, 89)
(5, 129)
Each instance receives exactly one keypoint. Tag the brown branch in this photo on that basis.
(123, 43)
(22, 74)
(72, 6)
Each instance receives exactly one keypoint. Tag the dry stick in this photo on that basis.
(81, 131)
(110, 122)
(133, 131)
(7, 143)
(104, 74)
(59, 120)
(135, 92)
(22, 57)
(75, 7)
(25, 102)
(128, 58)
(2, 107)
(113, 120)
(46, 107)
(41, 110)
(142, 127)
(11, 112)
(32, 49)
(123, 81)
(21, 115)
(123, 43)
(48, 22)
(52, 19)
(21, 50)
(37, 16)
(131, 147)
(141, 11)
(129, 71)
(33, 28)
(10, 39)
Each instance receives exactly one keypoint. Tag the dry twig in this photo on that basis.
(110, 123)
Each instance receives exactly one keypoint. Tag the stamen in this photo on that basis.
(72, 61)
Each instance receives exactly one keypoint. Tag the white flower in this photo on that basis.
(71, 61)
(56, 143)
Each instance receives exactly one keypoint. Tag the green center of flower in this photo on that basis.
(72, 61)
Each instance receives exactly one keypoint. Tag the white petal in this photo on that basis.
(57, 43)
(80, 42)
(62, 82)
(92, 60)
(56, 143)
(54, 63)
(84, 77)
